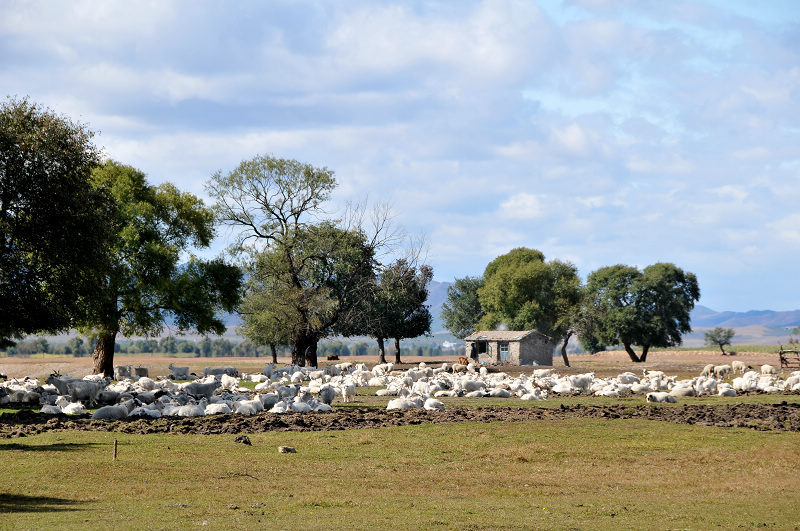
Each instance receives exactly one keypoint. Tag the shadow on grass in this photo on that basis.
(17, 503)
(54, 447)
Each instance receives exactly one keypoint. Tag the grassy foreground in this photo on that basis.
(580, 473)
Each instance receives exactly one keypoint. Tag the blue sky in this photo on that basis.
(597, 132)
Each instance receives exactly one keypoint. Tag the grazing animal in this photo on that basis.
(459, 367)
(463, 361)
(708, 370)
(333, 357)
(219, 371)
(739, 366)
(722, 371)
(661, 397)
(327, 394)
(118, 411)
(78, 390)
(121, 372)
(768, 369)
(178, 373)
(198, 390)
(348, 393)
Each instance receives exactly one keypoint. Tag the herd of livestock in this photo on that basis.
(302, 389)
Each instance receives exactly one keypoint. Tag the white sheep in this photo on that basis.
(458, 367)
(117, 411)
(326, 394)
(722, 371)
(73, 408)
(401, 403)
(432, 404)
(738, 367)
(683, 390)
(661, 397)
(348, 393)
(708, 370)
(191, 410)
(768, 369)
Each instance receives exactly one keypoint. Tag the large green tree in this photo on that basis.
(149, 275)
(522, 291)
(53, 223)
(267, 319)
(323, 294)
(649, 308)
(396, 307)
(323, 268)
(462, 310)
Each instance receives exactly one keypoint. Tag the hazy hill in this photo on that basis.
(703, 317)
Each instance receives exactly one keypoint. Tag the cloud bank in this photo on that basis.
(597, 132)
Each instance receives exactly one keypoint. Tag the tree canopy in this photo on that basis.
(53, 225)
(649, 308)
(720, 337)
(396, 307)
(322, 268)
(522, 291)
(462, 310)
(144, 282)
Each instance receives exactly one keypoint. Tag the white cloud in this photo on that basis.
(522, 206)
(572, 139)
(596, 131)
(734, 193)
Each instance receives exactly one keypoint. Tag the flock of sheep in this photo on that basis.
(302, 389)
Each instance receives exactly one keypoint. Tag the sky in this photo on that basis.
(599, 132)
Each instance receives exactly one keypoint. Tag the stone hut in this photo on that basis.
(526, 347)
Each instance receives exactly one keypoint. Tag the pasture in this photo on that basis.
(579, 473)
(558, 472)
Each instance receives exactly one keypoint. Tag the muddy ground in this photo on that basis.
(782, 417)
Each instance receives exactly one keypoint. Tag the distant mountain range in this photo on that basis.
(703, 317)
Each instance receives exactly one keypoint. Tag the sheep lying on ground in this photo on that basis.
(661, 397)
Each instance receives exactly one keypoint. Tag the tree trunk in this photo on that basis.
(564, 349)
(722, 349)
(382, 350)
(301, 343)
(311, 354)
(103, 355)
(274, 350)
(397, 351)
(645, 349)
(631, 353)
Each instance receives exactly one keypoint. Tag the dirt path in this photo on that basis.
(780, 417)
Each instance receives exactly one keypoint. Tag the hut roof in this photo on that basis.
(501, 335)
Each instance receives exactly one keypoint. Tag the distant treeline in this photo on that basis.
(211, 348)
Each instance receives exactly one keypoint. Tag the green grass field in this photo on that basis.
(579, 474)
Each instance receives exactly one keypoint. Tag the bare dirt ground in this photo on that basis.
(781, 417)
